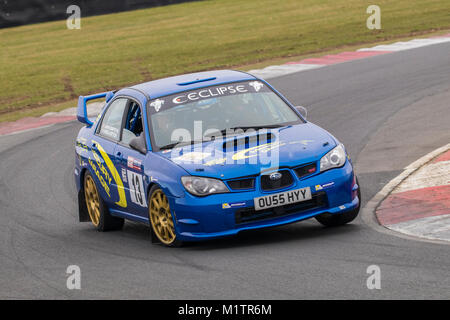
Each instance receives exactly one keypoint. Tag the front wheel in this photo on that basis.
(98, 212)
(339, 219)
(161, 218)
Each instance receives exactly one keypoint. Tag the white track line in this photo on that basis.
(431, 175)
(400, 46)
(434, 228)
(280, 70)
(276, 71)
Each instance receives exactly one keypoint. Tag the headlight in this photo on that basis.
(200, 186)
(333, 159)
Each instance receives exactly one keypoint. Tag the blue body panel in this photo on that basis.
(191, 81)
(195, 217)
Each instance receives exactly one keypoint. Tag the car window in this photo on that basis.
(133, 123)
(234, 105)
(112, 120)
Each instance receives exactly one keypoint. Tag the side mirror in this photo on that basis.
(138, 144)
(302, 111)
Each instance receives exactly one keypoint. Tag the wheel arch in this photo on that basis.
(165, 187)
(150, 186)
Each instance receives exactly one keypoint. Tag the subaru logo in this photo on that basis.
(275, 176)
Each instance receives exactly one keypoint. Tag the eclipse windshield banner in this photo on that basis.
(206, 94)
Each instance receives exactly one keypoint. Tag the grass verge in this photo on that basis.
(46, 66)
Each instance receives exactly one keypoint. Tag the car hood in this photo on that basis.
(288, 147)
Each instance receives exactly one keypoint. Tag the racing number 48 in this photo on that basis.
(136, 188)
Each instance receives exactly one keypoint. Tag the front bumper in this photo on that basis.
(218, 215)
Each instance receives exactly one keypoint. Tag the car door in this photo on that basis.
(130, 163)
(103, 145)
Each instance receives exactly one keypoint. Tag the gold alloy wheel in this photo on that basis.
(92, 200)
(161, 218)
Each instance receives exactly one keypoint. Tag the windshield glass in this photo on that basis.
(195, 116)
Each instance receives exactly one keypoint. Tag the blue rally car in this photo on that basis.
(207, 155)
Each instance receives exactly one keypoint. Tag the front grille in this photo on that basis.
(305, 170)
(285, 181)
(242, 184)
(246, 215)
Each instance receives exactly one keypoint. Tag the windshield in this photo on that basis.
(195, 116)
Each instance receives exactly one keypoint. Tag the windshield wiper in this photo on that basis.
(269, 126)
(180, 144)
(169, 146)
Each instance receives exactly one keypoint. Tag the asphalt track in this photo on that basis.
(388, 110)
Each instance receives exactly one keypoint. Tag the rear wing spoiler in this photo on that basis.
(82, 114)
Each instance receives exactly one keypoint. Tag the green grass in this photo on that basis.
(46, 65)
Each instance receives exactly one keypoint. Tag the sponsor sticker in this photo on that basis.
(324, 186)
(105, 176)
(101, 172)
(134, 163)
(157, 104)
(227, 205)
(203, 94)
(256, 85)
(124, 175)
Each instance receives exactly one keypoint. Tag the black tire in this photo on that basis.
(156, 238)
(106, 222)
(339, 219)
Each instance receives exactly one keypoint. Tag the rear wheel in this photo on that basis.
(333, 220)
(98, 212)
(161, 218)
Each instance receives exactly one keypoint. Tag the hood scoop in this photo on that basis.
(239, 143)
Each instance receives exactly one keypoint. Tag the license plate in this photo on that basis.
(282, 198)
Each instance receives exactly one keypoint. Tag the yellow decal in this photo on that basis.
(100, 177)
(253, 152)
(192, 157)
(81, 143)
(215, 161)
(122, 198)
(101, 166)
